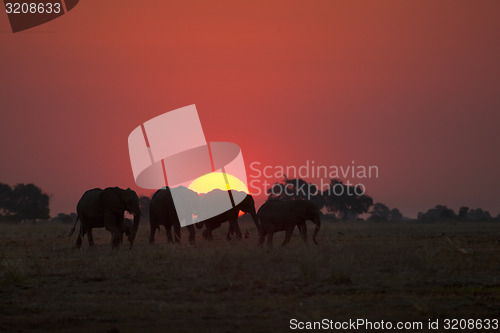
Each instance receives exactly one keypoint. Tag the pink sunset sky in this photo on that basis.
(409, 86)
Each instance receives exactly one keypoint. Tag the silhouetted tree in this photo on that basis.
(380, 213)
(462, 213)
(438, 213)
(30, 203)
(5, 200)
(345, 201)
(396, 215)
(478, 215)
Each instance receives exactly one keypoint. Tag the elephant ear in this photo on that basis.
(111, 198)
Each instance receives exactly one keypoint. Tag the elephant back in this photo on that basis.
(111, 199)
(90, 203)
(173, 204)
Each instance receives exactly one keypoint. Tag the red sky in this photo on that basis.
(409, 86)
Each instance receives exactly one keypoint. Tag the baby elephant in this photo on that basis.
(285, 215)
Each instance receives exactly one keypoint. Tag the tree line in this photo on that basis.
(23, 202)
(338, 201)
(344, 202)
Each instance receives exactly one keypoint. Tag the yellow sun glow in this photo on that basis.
(217, 180)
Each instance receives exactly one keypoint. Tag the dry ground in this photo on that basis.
(404, 271)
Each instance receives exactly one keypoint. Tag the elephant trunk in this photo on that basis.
(318, 226)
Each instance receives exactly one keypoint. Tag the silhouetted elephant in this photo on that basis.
(162, 211)
(105, 208)
(218, 198)
(277, 215)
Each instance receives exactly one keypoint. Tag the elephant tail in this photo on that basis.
(74, 227)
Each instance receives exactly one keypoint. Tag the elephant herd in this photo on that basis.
(100, 208)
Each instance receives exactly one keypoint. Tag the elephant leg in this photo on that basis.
(119, 224)
(79, 242)
(90, 237)
(270, 238)
(115, 242)
(206, 234)
(177, 230)
(233, 225)
(111, 225)
(238, 232)
(288, 235)
(230, 231)
(168, 232)
(303, 230)
(262, 237)
(152, 234)
(79, 239)
(191, 233)
(115, 235)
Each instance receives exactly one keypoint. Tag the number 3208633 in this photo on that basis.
(33, 8)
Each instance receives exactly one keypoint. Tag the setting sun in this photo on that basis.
(217, 180)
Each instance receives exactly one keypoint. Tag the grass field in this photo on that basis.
(404, 271)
